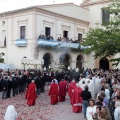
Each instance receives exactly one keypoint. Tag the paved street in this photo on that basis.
(65, 112)
(43, 110)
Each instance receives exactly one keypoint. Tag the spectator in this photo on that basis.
(117, 110)
(98, 109)
(91, 110)
(86, 95)
(107, 94)
(106, 112)
(101, 116)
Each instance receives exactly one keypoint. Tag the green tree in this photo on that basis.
(104, 40)
(1, 59)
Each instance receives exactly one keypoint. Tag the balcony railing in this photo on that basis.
(21, 42)
(55, 43)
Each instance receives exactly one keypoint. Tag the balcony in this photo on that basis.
(55, 43)
(21, 42)
(47, 43)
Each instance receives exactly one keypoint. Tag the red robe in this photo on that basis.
(53, 92)
(71, 87)
(31, 94)
(66, 82)
(77, 100)
(62, 91)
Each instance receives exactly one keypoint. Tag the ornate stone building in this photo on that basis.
(50, 35)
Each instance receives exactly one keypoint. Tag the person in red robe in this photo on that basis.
(31, 93)
(53, 92)
(66, 82)
(72, 85)
(77, 99)
(62, 90)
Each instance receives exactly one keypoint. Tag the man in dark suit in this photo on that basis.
(15, 85)
(9, 87)
(4, 88)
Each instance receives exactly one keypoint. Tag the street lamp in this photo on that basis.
(24, 63)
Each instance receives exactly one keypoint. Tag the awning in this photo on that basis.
(31, 61)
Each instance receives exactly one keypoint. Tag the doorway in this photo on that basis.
(47, 31)
(79, 62)
(104, 64)
(65, 60)
(65, 34)
(47, 59)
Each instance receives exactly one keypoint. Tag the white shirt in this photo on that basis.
(107, 93)
(117, 113)
(90, 110)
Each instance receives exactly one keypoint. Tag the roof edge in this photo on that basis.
(93, 3)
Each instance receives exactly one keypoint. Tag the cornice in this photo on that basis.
(35, 9)
(57, 15)
(56, 5)
(18, 11)
(88, 3)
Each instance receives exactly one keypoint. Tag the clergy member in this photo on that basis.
(31, 93)
(62, 90)
(72, 85)
(77, 99)
(53, 92)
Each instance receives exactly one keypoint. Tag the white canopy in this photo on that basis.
(32, 61)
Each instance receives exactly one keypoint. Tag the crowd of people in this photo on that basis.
(48, 37)
(96, 93)
(68, 40)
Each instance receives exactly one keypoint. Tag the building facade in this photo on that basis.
(50, 35)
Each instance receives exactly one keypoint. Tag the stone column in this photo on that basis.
(73, 64)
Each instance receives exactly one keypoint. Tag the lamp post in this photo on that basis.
(24, 63)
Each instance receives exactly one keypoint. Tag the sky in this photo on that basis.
(7, 5)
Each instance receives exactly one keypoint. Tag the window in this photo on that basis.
(3, 23)
(47, 31)
(65, 34)
(105, 16)
(22, 32)
(3, 41)
(79, 37)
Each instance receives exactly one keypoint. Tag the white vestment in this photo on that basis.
(11, 113)
(81, 82)
(97, 85)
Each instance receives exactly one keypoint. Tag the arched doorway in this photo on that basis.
(65, 60)
(104, 64)
(79, 63)
(48, 58)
